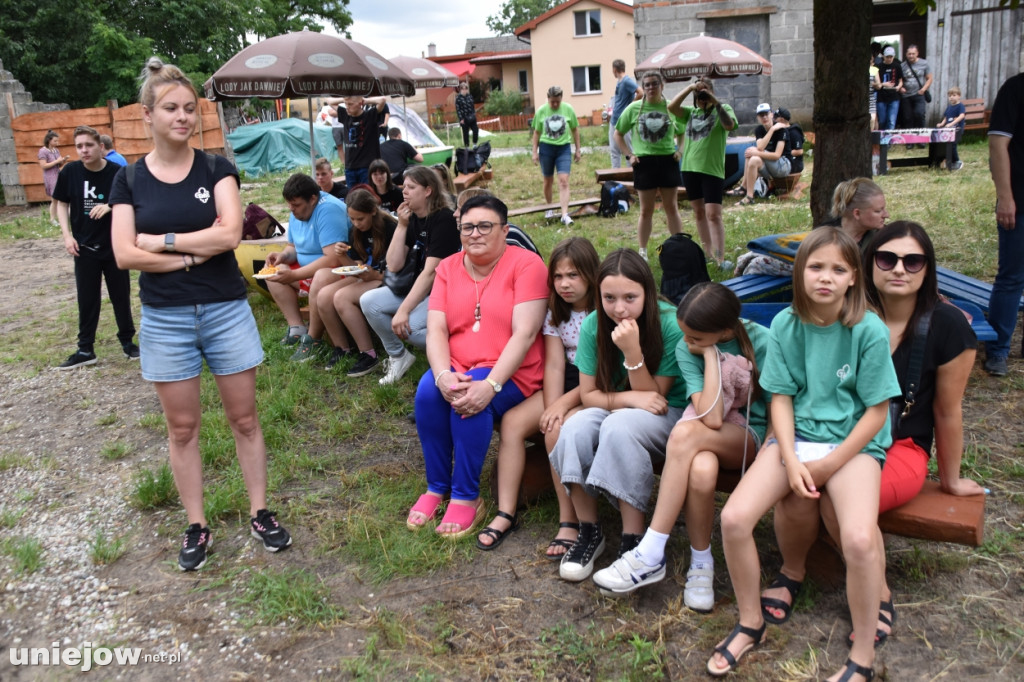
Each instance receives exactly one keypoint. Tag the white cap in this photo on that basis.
(763, 108)
(889, 51)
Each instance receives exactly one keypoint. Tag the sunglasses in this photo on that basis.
(912, 262)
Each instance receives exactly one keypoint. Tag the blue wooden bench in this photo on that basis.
(762, 288)
(964, 288)
(763, 313)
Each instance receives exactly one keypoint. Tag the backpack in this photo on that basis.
(760, 187)
(258, 224)
(796, 141)
(471, 159)
(612, 195)
(682, 265)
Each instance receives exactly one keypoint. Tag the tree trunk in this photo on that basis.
(842, 125)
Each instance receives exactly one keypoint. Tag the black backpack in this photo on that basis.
(470, 160)
(682, 265)
(611, 194)
(796, 141)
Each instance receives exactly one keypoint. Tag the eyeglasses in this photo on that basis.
(483, 228)
(912, 262)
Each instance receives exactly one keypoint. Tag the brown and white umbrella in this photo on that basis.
(425, 73)
(704, 56)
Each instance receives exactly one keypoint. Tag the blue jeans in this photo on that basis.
(887, 112)
(356, 176)
(1005, 300)
(379, 307)
(454, 447)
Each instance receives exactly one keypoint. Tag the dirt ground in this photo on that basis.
(961, 610)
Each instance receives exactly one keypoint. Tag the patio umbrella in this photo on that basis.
(425, 73)
(307, 64)
(705, 56)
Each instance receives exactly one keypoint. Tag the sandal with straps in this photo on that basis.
(853, 668)
(793, 587)
(498, 536)
(887, 616)
(757, 639)
(561, 542)
(745, 201)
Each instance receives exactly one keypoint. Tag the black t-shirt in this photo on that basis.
(438, 234)
(889, 73)
(390, 200)
(186, 206)
(364, 241)
(1008, 119)
(397, 154)
(795, 135)
(777, 137)
(362, 137)
(949, 335)
(83, 189)
(339, 190)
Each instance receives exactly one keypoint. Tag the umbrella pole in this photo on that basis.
(312, 147)
(405, 120)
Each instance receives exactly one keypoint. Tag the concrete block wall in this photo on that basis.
(14, 101)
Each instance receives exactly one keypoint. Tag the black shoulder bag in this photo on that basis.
(927, 94)
(896, 410)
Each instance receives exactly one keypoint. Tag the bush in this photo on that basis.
(504, 103)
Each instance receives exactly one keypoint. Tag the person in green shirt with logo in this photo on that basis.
(554, 128)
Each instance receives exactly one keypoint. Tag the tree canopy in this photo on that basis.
(514, 13)
(87, 52)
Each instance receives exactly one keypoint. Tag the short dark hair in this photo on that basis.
(618, 65)
(394, 133)
(87, 130)
(300, 186)
(107, 141)
(489, 202)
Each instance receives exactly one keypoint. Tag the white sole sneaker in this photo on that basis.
(397, 367)
(699, 593)
(575, 572)
(627, 574)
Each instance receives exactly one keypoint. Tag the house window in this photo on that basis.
(522, 81)
(588, 23)
(586, 80)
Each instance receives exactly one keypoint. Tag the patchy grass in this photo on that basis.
(289, 596)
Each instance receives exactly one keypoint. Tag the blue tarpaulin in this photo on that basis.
(279, 145)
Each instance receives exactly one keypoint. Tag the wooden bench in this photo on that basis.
(617, 174)
(552, 207)
(790, 187)
(955, 285)
(976, 117)
(762, 287)
(464, 180)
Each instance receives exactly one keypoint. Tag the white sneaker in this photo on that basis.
(628, 573)
(397, 367)
(699, 593)
(578, 563)
(566, 220)
(643, 254)
(549, 214)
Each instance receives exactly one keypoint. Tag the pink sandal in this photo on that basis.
(427, 504)
(465, 516)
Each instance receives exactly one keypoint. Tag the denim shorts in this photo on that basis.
(779, 168)
(554, 157)
(174, 341)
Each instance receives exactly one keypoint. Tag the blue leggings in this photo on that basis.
(454, 448)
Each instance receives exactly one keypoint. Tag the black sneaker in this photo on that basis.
(192, 556)
(265, 527)
(78, 359)
(339, 356)
(996, 366)
(131, 351)
(629, 542)
(364, 365)
(578, 563)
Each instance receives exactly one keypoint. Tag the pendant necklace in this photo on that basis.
(476, 288)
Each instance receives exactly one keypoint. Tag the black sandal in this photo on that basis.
(561, 542)
(793, 587)
(852, 669)
(757, 639)
(745, 201)
(887, 615)
(498, 535)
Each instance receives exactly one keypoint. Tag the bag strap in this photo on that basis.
(916, 360)
(916, 77)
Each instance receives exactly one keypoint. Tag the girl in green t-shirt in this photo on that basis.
(831, 378)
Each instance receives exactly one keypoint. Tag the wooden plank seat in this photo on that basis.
(464, 180)
(761, 287)
(955, 285)
(790, 187)
(618, 174)
(976, 117)
(552, 207)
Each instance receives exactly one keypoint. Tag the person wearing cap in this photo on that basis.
(891, 76)
(707, 125)
(795, 138)
(769, 157)
(555, 128)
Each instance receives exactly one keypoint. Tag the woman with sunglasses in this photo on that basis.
(902, 285)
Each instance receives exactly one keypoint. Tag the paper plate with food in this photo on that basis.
(266, 272)
(350, 270)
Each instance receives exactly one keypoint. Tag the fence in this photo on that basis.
(123, 124)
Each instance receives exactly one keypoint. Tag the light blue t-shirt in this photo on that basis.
(692, 368)
(834, 374)
(329, 224)
(625, 92)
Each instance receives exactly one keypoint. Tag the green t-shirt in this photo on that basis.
(692, 368)
(555, 127)
(705, 141)
(654, 128)
(834, 374)
(586, 353)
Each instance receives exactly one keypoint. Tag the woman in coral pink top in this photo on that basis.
(486, 356)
